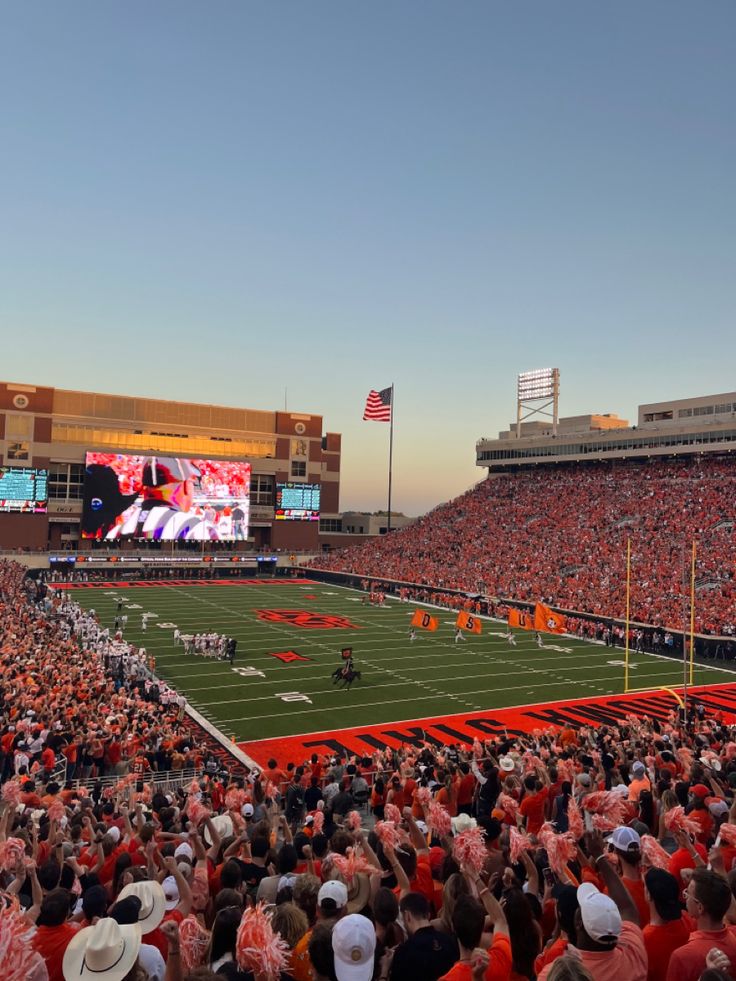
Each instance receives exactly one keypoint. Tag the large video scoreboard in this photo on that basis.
(297, 502)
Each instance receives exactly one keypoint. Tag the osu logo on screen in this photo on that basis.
(304, 618)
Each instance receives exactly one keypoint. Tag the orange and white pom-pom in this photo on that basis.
(439, 820)
(508, 805)
(11, 792)
(108, 793)
(353, 820)
(392, 813)
(318, 822)
(352, 863)
(269, 791)
(685, 757)
(575, 823)
(258, 948)
(519, 842)
(12, 853)
(20, 961)
(469, 849)
(194, 787)
(477, 748)
(423, 796)
(389, 835)
(561, 848)
(565, 771)
(194, 942)
(652, 853)
(234, 799)
(607, 805)
(531, 763)
(197, 812)
(728, 833)
(677, 820)
(56, 809)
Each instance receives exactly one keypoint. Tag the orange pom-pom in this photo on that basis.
(194, 942)
(575, 819)
(519, 842)
(257, 947)
(20, 961)
(676, 820)
(439, 820)
(652, 853)
(469, 849)
(728, 833)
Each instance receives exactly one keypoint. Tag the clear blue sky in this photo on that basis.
(215, 201)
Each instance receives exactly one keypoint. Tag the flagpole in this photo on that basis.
(628, 610)
(390, 458)
(692, 616)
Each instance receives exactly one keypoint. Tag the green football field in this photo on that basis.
(262, 697)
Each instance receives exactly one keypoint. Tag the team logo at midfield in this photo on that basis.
(303, 618)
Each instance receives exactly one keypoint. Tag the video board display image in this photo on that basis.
(165, 498)
(297, 502)
(24, 489)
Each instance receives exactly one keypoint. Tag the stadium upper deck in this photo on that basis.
(706, 424)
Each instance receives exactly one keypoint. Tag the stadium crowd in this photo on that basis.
(565, 855)
(559, 534)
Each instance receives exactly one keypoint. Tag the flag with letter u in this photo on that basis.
(466, 621)
(378, 405)
(520, 618)
(547, 619)
(424, 621)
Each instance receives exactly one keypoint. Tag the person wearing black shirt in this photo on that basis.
(428, 953)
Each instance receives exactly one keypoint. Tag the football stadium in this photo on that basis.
(173, 623)
(347, 633)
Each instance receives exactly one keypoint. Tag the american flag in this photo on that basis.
(378, 405)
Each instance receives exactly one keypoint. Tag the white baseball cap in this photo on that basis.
(184, 849)
(354, 944)
(247, 810)
(625, 839)
(171, 892)
(335, 891)
(600, 915)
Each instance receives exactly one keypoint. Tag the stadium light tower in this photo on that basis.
(536, 392)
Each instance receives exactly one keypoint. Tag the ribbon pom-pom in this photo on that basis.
(728, 833)
(354, 820)
(652, 853)
(423, 796)
(56, 809)
(575, 819)
(677, 820)
(197, 812)
(257, 947)
(392, 813)
(12, 853)
(20, 961)
(561, 848)
(519, 842)
(351, 864)
(439, 820)
(11, 793)
(609, 808)
(194, 942)
(319, 822)
(469, 849)
(388, 834)
(508, 805)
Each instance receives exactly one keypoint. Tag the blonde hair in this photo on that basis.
(568, 968)
(291, 922)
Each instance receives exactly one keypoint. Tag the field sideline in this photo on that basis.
(401, 681)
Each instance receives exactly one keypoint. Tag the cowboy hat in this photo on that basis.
(223, 825)
(153, 902)
(103, 952)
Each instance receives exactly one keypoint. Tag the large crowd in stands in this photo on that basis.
(567, 855)
(560, 534)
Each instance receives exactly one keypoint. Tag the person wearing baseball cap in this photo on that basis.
(332, 900)
(667, 929)
(354, 944)
(626, 844)
(698, 811)
(639, 780)
(608, 938)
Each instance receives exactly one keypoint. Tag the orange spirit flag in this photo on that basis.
(520, 618)
(466, 621)
(546, 619)
(424, 621)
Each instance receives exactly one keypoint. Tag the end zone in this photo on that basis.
(464, 727)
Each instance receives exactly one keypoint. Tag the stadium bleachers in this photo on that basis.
(560, 534)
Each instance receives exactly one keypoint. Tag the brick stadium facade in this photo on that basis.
(53, 428)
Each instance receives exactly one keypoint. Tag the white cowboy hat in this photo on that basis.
(153, 902)
(103, 952)
(463, 822)
(507, 764)
(223, 825)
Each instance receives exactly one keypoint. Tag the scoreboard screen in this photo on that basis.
(297, 502)
(24, 489)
